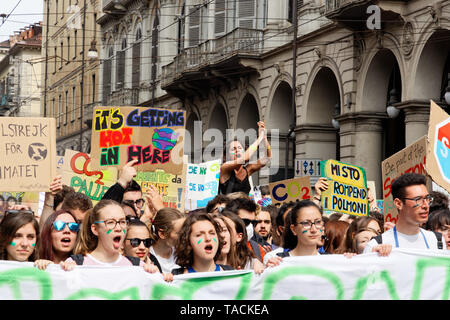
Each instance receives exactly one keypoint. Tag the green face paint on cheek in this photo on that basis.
(124, 231)
(34, 244)
(12, 243)
(109, 231)
(215, 240)
(305, 231)
(199, 241)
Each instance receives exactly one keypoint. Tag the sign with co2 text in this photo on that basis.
(290, 190)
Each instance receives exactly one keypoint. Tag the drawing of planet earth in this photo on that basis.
(164, 139)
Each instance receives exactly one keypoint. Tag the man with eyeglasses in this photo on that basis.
(412, 200)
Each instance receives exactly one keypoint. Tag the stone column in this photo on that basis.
(417, 114)
(362, 142)
(316, 141)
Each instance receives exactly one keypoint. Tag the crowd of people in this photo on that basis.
(233, 232)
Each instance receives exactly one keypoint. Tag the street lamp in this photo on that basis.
(336, 113)
(391, 110)
(92, 53)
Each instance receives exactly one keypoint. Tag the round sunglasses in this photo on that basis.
(135, 242)
(60, 225)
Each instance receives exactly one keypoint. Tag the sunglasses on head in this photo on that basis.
(60, 225)
(135, 242)
(248, 221)
(19, 211)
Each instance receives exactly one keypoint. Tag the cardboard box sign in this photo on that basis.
(154, 137)
(290, 190)
(347, 188)
(78, 174)
(408, 160)
(28, 153)
(438, 150)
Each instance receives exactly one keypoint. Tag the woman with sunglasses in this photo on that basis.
(138, 242)
(101, 239)
(19, 235)
(58, 238)
(303, 233)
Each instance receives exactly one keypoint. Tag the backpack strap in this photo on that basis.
(78, 258)
(439, 239)
(226, 267)
(257, 250)
(378, 239)
(134, 260)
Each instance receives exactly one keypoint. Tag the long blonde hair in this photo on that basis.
(88, 241)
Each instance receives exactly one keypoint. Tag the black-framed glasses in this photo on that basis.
(248, 221)
(112, 223)
(139, 202)
(135, 242)
(60, 225)
(308, 224)
(10, 211)
(419, 200)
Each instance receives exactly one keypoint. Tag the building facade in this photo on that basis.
(230, 63)
(70, 76)
(20, 67)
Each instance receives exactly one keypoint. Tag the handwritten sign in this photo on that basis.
(438, 151)
(202, 183)
(154, 137)
(410, 159)
(78, 174)
(347, 191)
(290, 190)
(28, 153)
(171, 187)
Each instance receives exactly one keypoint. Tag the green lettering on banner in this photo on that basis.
(272, 279)
(423, 264)
(15, 276)
(191, 286)
(364, 282)
(131, 293)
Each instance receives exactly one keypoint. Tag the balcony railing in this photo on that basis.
(124, 97)
(238, 41)
(333, 5)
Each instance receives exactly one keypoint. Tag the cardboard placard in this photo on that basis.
(438, 150)
(8, 199)
(290, 190)
(154, 137)
(78, 174)
(410, 159)
(28, 153)
(202, 183)
(347, 188)
(170, 186)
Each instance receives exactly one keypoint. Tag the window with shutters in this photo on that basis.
(220, 16)
(120, 75)
(291, 12)
(246, 14)
(181, 29)
(136, 63)
(74, 106)
(194, 25)
(155, 47)
(66, 108)
(107, 79)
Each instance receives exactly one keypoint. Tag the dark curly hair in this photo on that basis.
(183, 249)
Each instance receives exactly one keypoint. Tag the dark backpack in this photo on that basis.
(79, 258)
(379, 239)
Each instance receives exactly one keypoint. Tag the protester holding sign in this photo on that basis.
(56, 187)
(58, 238)
(236, 170)
(412, 200)
(19, 234)
(199, 245)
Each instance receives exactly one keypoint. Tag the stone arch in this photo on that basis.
(281, 85)
(215, 136)
(432, 54)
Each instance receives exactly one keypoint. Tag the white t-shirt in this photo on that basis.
(415, 241)
(167, 265)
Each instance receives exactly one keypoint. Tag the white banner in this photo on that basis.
(202, 183)
(404, 275)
